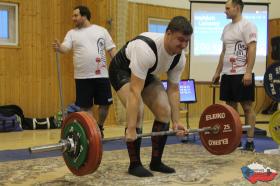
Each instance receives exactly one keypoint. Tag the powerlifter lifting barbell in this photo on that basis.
(220, 131)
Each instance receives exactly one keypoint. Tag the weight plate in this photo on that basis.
(271, 81)
(94, 154)
(227, 139)
(78, 156)
(274, 126)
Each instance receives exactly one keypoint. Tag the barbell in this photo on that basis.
(220, 131)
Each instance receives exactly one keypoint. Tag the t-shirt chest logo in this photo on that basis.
(240, 51)
(100, 45)
(238, 59)
(101, 62)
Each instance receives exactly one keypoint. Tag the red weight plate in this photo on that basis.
(95, 149)
(97, 145)
(237, 119)
(228, 137)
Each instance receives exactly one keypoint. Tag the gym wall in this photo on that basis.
(28, 73)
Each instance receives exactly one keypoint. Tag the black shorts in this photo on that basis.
(120, 73)
(232, 89)
(96, 90)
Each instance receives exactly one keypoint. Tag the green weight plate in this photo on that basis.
(78, 157)
(274, 126)
(93, 137)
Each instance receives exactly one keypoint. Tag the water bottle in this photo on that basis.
(59, 118)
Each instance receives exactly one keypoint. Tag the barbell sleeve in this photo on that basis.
(62, 145)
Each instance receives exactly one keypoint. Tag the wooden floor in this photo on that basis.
(28, 138)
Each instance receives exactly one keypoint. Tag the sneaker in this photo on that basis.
(101, 131)
(250, 146)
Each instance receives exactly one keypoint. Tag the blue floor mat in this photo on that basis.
(261, 142)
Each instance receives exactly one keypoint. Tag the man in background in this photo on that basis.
(89, 42)
(236, 63)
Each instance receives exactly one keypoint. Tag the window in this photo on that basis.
(157, 25)
(8, 24)
(4, 22)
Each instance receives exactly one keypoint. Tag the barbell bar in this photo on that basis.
(220, 131)
(68, 144)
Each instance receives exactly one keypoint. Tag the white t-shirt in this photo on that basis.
(236, 36)
(89, 46)
(142, 58)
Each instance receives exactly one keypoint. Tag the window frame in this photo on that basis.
(157, 20)
(13, 24)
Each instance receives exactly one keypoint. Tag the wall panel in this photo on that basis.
(28, 74)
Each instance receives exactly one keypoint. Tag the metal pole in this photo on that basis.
(60, 83)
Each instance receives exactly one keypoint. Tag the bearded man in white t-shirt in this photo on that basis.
(89, 43)
(132, 73)
(236, 63)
